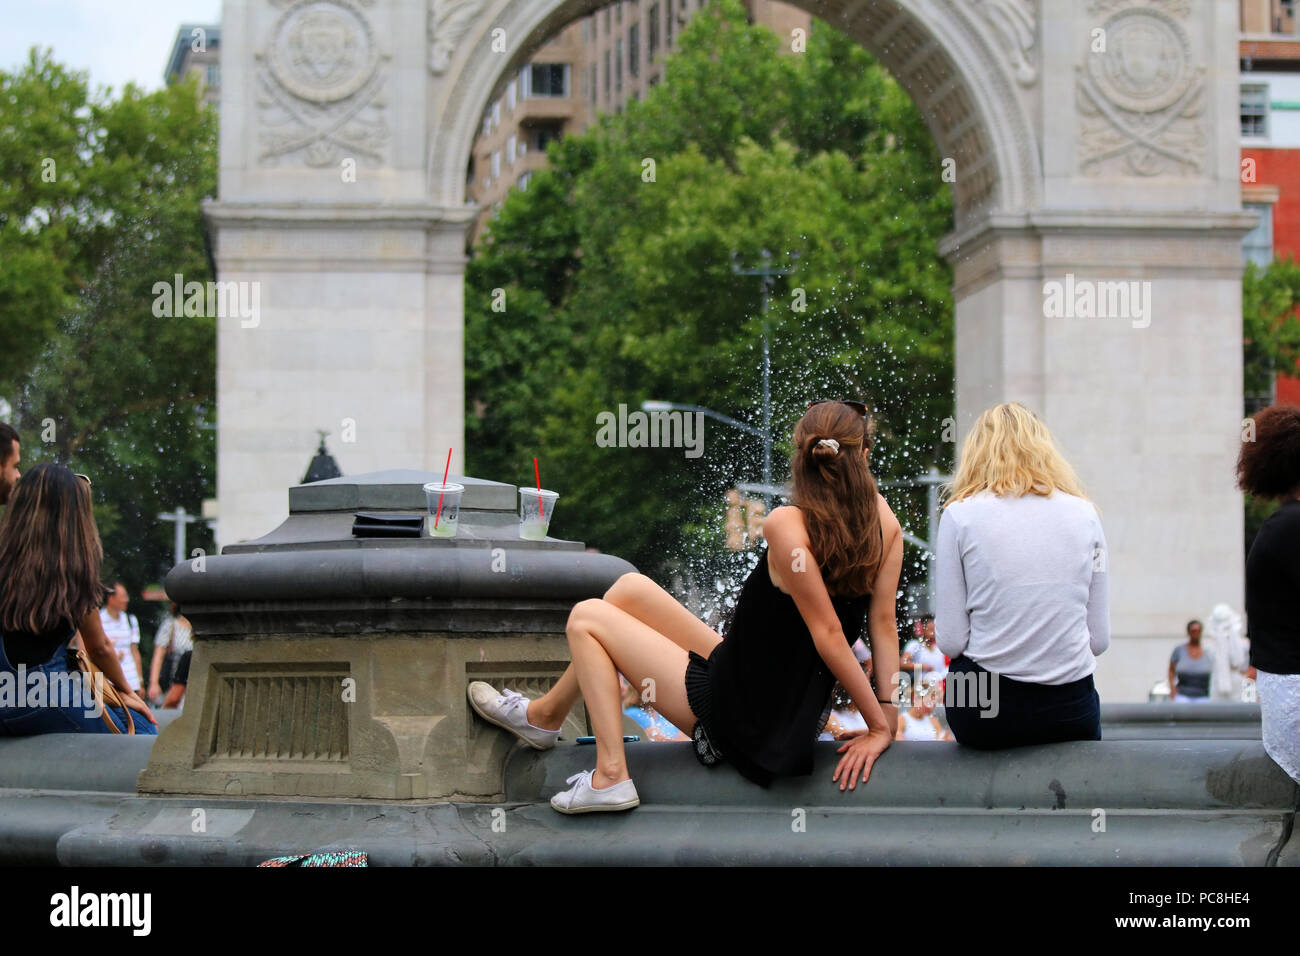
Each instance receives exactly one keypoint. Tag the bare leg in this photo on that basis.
(605, 640)
(646, 601)
(549, 711)
(174, 695)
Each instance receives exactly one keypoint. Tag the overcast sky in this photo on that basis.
(116, 41)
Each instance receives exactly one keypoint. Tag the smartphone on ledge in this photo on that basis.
(592, 740)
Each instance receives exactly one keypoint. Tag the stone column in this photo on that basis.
(1140, 382)
(325, 220)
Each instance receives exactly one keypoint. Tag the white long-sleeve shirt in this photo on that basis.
(1022, 586)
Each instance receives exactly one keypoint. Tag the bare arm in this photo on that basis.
(99, 649)
(789, 547)
(101, 652)
(882, 621)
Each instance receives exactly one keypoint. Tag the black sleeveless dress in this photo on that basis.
(764, 693)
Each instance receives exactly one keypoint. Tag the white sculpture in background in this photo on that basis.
(1231, 650)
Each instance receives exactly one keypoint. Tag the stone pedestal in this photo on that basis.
(332, 666)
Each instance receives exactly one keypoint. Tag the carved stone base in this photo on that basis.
(378, 716)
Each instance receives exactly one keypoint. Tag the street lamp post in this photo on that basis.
(182, 518)
(767, 273)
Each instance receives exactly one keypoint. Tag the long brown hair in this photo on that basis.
(50, 552)
(836, 492)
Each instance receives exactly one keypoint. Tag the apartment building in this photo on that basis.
(197, 50)
(1270, 143)
(595, 65)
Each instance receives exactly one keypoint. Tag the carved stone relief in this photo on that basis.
(1016, 24)
(320, 82)
(1141, 99)
(449, 21)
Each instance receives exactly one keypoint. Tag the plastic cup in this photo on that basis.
(535, 510)
(450, 516)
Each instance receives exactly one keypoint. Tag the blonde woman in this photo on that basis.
(1023, 597)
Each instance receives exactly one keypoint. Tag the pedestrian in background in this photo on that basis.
(1190, 668)
(123, 630)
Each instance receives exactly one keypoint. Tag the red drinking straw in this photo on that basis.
(541, 508)
(445, 472)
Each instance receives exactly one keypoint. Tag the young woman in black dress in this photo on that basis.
(758, 697)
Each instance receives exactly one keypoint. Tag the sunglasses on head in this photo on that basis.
(859, 407)
(85, 478)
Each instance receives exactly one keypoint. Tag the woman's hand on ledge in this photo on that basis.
(860, 751)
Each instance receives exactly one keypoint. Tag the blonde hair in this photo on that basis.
(1010, 452)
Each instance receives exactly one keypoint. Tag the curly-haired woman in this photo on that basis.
(1269, 467)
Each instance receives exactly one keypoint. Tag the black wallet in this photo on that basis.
(370, 525)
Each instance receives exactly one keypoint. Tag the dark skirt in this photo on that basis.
(1015, 713)
(183, 669)
(697, 687)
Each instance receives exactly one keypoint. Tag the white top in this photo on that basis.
(930, 659)
(1022, 586)
(178, 638)
(123, 631)
(918, 728)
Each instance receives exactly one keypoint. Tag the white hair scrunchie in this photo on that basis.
(835, 446)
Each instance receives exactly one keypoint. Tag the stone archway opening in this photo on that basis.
(1093, 141)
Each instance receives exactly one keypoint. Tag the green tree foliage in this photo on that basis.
(1270, 330)
(614, 270)
(1270, 334)
(97, 379)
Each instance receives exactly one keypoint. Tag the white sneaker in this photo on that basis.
(509, 711)
(582, 797)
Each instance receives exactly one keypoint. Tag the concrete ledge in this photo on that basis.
(1183, 803)
(1171, 721)
(1163, 712)
(924, 776)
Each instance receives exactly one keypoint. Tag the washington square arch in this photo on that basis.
(1093, 142)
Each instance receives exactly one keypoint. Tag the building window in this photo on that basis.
(608, 76)
(546, 135)
(618, 12)
(607, 26)
(496, 164)
(547, 79)
(487, 123)
(523, 180)
(634, 50)
(1257, 245)
(1284, 17)
(214, 75)
(496, 113)
(618, 65)
(523, 147)
(654, 80)
(511, 91)
(668, 23)
(652, 33)
(591, 86)
(510, 149)
(1254, 111)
